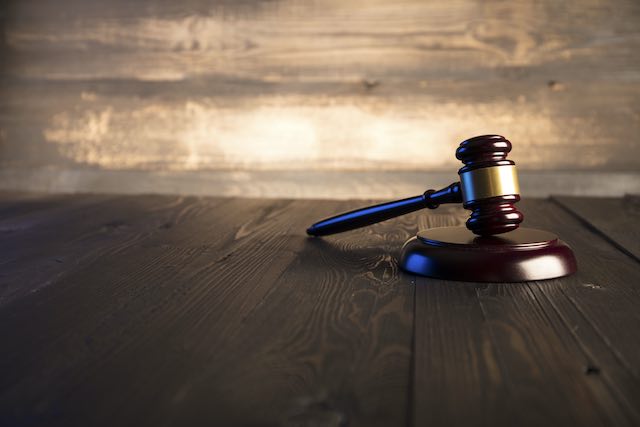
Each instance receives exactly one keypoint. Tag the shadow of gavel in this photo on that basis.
(488, 187)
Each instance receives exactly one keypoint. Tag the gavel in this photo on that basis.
(488, 187)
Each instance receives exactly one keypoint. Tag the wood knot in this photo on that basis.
(591, 370)
(556, 86)
(369, 84)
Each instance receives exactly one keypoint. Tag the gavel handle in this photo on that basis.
(370, 215)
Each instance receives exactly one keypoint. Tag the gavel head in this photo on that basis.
(489, 185)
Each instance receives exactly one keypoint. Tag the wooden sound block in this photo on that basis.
(455, 253)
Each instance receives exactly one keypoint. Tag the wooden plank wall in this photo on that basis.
(189, 87)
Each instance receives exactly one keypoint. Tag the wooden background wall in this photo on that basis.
(315, 98)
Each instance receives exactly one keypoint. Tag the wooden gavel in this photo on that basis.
(488, 187)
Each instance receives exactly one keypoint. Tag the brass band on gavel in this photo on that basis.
(489, 182)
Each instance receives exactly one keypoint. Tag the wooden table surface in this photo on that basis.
(168, 310)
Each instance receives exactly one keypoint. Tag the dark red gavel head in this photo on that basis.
(489, 185)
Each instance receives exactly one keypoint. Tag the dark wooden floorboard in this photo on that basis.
(194, 321)
(330, 344)
(599, 304)
(615, 218)
(173, 311)
(87, 315)
(19, 212)
(48, 241)
(13, 204)
(534, 353)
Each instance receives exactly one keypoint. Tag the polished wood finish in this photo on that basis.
(165, 310)
(369, 215)
(455, 253)
(496, 214)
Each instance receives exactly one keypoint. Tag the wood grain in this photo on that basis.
(209, 124)
(327, 184)
(329, 345)
(214, 318)
(54, 240)
(599, 299)
(326, 85)
(181, 311)
(108, 300)
(13, 204)
(323, 40)
(616, 219)
(545, 353)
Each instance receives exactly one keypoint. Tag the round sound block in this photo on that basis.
(455, 253)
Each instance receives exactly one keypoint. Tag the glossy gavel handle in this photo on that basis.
(367, 216)
(370, 215)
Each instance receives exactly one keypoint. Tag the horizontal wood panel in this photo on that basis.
(203, 125)
(324, 85)
(300, 184)
(325, 40)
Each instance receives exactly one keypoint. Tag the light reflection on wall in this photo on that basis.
(285, 133)
(296, 90)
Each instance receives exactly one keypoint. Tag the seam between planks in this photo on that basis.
(576, 306)
(593, 228)
(496, 348)
(615, 392)
(616, 354)
(411, 392)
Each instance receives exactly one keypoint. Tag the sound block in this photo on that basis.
(455, 253)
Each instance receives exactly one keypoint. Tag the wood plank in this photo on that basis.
(317, 184)
(83, 318)
(529, 354)
(598, 304)
(323, 40)
(203, 125)
(188, 324)
(232, 313)
(616, 219)
(51, 241)
(16, 203)
(489, 349)
(493, 351)
(330, 344)
(35, 230)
